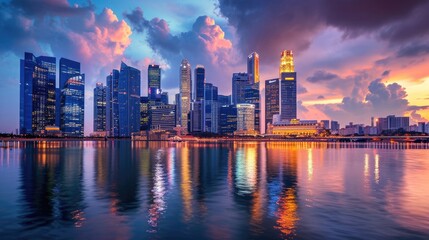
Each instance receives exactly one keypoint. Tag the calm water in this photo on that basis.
(125, 190)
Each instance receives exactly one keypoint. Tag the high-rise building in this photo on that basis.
(245, 117)
(163, 117)
(37, 93)
(200, 79)
(239, 83)
(197, 116)
(251, 95)
(73, 106)
(224, 100)
(253, 67)
(164, 97)
(210, 108)
(335, 127)
(185, 93)
(57, 107)
(144, 111)
(272, 99)
(392, 122)
(227, 119)
(154, 82)
(68, 69)
(112, 113)
(100, 107)
(288, 86)
(50, 64)
(129, 100)
(72, 86)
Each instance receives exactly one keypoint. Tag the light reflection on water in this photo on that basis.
(134, 190)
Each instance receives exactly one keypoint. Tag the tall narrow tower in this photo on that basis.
(185, 93)
(253, 67)
(287, 76)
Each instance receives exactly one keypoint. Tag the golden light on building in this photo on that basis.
(286, 62)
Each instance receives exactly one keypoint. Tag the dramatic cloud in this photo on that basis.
(204, 44)
(322, 75)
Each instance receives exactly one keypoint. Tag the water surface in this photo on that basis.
(138, 190)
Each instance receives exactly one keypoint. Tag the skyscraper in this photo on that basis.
(272, 98)
(245, 117)
(37, 93)
(72, 87)
(129, 100)
(239, 83)
(200, 79)
(100, 108)
(227, 119)
(73, 106)
(210, 108)
(287, 86)
(144, 111)
(154, 82)
(185, 93)
(253, 67)
(197, 117)
(163, 117)
(251, 95)
(112, 112)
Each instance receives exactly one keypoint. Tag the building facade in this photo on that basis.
(200, 79)
(154, 82)
(253, 67)
(245, 117)
(227, 119)
(100, 107)
(112, 111)
(210, 111)
(239, 83)
(73, 106)
(185, 93)
(129, 100)
(163, 117)
(288, 86)
(272, 99)
(37, 93)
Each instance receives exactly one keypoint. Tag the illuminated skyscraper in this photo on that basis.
(37, 93)
(272, 98)
(129, 100)
(112, 112)
(144, 114)
(100, 108)
(253, 67)
(185, 93)
(154, 82)
(245, 117)
(72, 86)
(286, 62)
(200, 79)
(73, 106)
(251, 95)
(287, 86)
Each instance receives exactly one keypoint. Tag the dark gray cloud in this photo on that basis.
(270, 26)
(385, 73)
(413, 50)
(41, 8)
(137, 20)
(322, 75)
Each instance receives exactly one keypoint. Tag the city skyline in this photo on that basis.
(370, 71)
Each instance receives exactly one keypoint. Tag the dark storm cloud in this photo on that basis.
(137, 20)
(41, 8)
(413, 50)
(321, 75)
(270, 26)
